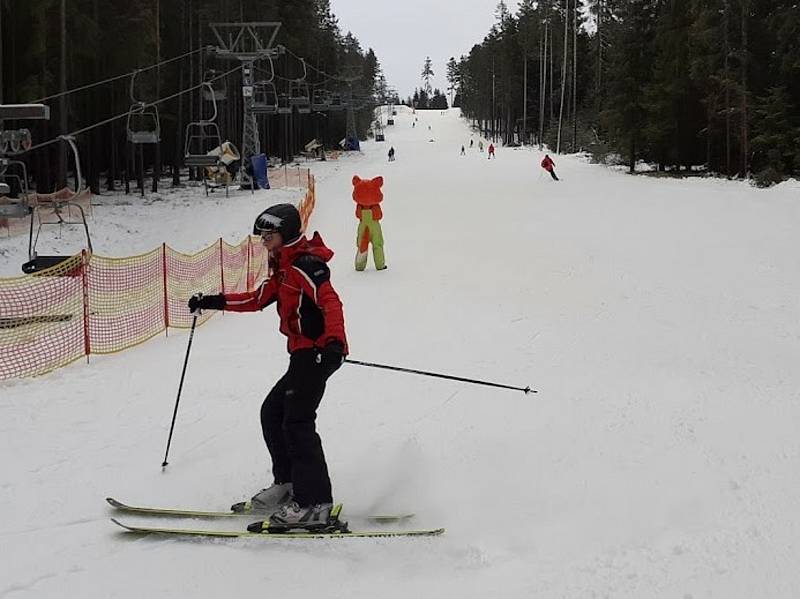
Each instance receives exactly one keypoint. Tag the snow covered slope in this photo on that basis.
(657, 318)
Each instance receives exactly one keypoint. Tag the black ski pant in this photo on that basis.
(553, 174)
(288, 421)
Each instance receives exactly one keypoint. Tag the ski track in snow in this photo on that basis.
(657, 318)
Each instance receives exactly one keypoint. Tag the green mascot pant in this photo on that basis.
(369, 231)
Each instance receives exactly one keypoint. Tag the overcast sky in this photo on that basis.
(404, 32)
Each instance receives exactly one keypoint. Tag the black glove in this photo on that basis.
(332, 355)
(206, 302)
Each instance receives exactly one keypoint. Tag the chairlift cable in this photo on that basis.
(125, 114)
(116, 78)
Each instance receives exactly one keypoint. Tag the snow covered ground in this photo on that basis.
(661, 458)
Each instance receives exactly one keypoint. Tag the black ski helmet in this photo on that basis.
(280, 218)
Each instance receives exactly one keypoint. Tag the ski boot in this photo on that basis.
(266, 501)
(323, 517)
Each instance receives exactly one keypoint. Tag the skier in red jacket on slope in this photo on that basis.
(549, 166)
(312, 319)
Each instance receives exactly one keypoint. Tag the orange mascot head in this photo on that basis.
(367, 192)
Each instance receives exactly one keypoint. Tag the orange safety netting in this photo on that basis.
(289, 177)
(42, 320)
(92, 304)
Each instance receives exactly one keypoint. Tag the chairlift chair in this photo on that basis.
(265, 94)
(36, 262)
(284, 104)
(336, 102)
(265, 98)
(201, 137)
(214, 92)
(144, 124)
(320, 100)
(378, 128)
(15, 209)
(299, 96)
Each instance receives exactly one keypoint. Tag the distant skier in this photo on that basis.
(429, 127)
(414, 124)
(471, 143)
(480, 146)
(311, 316)
(549, 166)
(491, 151)
(391, 154)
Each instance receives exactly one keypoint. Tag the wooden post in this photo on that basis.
(221, 269)
(166, 294)
(87, 346)
(249, 280)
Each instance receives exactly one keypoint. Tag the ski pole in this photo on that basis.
(180, 388)
(525, 390)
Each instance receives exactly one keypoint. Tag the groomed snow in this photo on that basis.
(661, 458)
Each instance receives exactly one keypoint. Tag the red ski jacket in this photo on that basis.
(548, 164)
(308, 306)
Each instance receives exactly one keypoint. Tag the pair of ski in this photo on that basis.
(336, 528)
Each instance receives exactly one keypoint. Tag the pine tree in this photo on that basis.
(427, 75)
(777, 144)
(630, 57)
(452, 77)
(673, 113)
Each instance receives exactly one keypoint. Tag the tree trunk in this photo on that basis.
(575, 78)
(2, 71)
(632, 164)
(563, 75)
(542, 85)
(726, 50)
(62, 147)
(157, 148)
(524, 138)
(98, 160)
(745, 141)
(176, 167)
(552, 93)
(598, 83)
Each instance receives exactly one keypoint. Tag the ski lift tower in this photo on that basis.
(350, 76)
(247, 43)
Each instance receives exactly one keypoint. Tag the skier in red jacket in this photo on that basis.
(549, 166)
(491, 151)
(312, 319)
